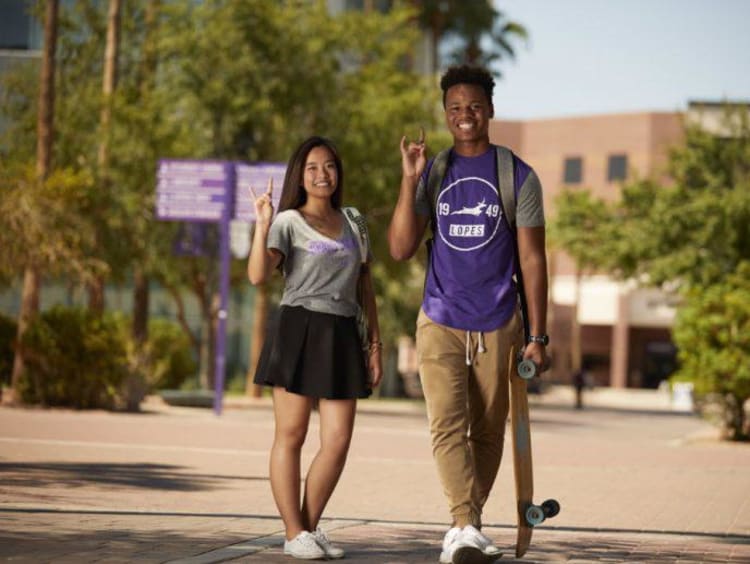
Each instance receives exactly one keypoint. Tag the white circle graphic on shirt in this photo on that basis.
(468, 213)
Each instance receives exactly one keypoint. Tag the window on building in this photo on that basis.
(617, 168)
(16, 25)
(382, 6)
(573, 173)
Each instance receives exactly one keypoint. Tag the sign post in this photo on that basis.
(224, 258)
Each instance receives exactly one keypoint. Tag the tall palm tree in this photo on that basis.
(472, 32)
(45, 130)
(146, 84)
(109, 82)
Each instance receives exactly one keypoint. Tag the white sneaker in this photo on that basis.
(462, 546)
(324, 542)
(480, 539)
(304, 546)
(450, 542)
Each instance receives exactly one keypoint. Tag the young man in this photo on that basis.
(469, 329)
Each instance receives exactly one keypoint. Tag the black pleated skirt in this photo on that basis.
(314, 354)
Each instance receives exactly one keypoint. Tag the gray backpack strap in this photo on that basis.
(436, 175)
(359, 226)
(505, 180)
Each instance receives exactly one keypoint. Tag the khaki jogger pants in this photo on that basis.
(467, 407)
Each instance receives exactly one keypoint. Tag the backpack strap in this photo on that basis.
(359, 225)
(506, 184)
(435, 177)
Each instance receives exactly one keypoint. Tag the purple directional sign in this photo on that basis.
(192, 190)
(256, 175)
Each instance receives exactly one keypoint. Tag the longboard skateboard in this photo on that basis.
(529, 514)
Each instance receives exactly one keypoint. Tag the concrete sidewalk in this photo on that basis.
(636, 481)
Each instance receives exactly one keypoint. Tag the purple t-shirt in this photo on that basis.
(469, 284)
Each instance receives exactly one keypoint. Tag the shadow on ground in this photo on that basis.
(144, 476)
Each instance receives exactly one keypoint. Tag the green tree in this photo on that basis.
(691, 237)
(294, 70)
(578, 231)
(470, 32)
(231, 80)
(696, 230)
(109, 83)
(712, 333)
(45, 123)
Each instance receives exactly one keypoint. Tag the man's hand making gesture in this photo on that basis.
(413, 159)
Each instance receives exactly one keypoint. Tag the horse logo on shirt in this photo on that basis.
(476, 211)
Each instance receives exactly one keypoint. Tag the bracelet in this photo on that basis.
(374, 345)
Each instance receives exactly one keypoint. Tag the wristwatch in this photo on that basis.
(542, 339)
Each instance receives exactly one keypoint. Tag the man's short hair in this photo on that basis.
(468, 74)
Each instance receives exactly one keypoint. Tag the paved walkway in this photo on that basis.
(637, 482)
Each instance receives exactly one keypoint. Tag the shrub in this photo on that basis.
(712, 332)
(170, 355)
(75, 359)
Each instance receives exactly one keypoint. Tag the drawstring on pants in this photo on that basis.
(481, 347)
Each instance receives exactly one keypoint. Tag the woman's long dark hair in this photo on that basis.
(293, 194)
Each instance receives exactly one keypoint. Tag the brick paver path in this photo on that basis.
(181, 485)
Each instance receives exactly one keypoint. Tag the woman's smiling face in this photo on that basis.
(320, 176)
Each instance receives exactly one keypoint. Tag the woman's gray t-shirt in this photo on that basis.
(320, 273)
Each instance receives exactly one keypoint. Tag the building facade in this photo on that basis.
(623, 330)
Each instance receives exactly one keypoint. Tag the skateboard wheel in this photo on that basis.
(527, 369)
(534, 515)
(551, 507)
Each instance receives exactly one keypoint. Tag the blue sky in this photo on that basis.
(605, 56)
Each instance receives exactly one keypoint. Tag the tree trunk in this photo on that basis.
(109, 82)
(735, 410)
(149, 62)
(140, 306)
(437, 27)
(182, 317)
(206, 301)
(45, 117)
(554, 346)
(575, 328)
(141, 293)
(45, 134)
(260, 318)
(29, 310)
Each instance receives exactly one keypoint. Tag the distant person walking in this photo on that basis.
(579, 383)
(314, 353)
(469, 329)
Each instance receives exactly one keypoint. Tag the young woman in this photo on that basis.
(314, 353)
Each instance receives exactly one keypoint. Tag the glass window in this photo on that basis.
(573, 173)
(617, 167)
(15, 25)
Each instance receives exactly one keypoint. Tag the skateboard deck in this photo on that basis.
(528, 513)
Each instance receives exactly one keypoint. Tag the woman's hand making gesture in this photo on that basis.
(262, 261)
(263, 206)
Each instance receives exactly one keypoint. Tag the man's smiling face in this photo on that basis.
(468, 113)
